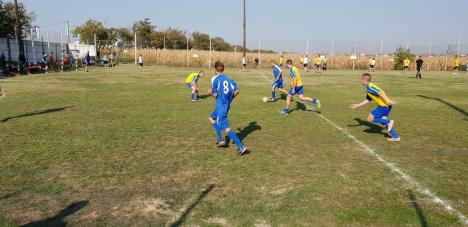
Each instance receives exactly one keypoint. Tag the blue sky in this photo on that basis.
(416, 22)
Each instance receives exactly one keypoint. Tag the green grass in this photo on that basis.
(132, 147)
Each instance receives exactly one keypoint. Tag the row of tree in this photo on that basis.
(148, 36)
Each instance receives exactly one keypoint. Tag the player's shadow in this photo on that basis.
(52, 110)
(183, 216)
(456, 108)
(417, 208)
(203, 96)
(11, 194)
(244, 132)
(372, 128)
(58, 219)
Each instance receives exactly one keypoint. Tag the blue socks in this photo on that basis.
(273, 94)
(219, 135)
(381, 121)
(193, 96)
(314, 101)
(236, 139)
(394, 133)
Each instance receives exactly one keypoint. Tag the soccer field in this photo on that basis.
(116, 146)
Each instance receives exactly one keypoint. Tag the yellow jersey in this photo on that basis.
(457, 62)
(294, 72)
(192, 78)
(373, 94)
(406, 62)
(318, 61)
(301, 59)
(281, 61)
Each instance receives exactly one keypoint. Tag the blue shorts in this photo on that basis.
(297, 90)
(222, 122)
(277, 84)
(381, 111)
(189, 85)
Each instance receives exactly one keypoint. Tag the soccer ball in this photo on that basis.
(265, 99)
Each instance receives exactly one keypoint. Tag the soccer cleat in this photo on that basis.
(284, 112)
(394, 139)
(271, 100)
(241, 151)
(220, 143)
(390, 125)
(318, 105)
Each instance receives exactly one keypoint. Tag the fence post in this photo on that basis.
(32, 46)
(381, 53)
(164, 50)
(259, 52)
(135, 49)
(187, 51)
(95, 46)
(211, 47)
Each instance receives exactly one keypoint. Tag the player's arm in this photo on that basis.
(387, 100)
(358, 105)
(236, 89)
(294, 82)
(279, 75)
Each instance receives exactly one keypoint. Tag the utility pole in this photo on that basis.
(245, 35)
(18, 33)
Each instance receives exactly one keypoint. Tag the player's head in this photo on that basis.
(273, 63)
(219, 67)
(201, 73)
(373, 58)
(289, 63)
(366, 78)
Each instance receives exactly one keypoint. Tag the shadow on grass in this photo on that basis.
(183, 216)
(456, 108)
(11, 194)
(58, 220)
(52, 110)
(244, 132)
(372, 128)
(419, 211)
(203, 96)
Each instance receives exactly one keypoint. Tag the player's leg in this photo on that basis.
(223, 124)
(285, 111)
(219, 136)
(273, 91)
(194, 95)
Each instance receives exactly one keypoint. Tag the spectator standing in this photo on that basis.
(111, 59)
(87, 61)
(2, 61)
(140, 62)
(372, 64)
(419, 67)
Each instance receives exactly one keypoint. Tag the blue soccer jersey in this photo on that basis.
(225, 88)
(277, 73)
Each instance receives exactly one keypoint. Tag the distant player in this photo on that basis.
(456, 65)
(381, 113)
(372, 64)
(301, 60)
(192, 83)
(140, 62)
(281, 61)
(406, 64)
(87, 61)
(277, 81)
(419, 68)
(224, 89)
(296, 88)
(318, 64)
(244, 63)
(324, 63)
(306, 62)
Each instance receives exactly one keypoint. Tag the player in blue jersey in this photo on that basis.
(277, 81)
(224, 89)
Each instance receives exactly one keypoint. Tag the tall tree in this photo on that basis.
(87, 30)
(157, 39)
(9, 19)
(219, 44)
(119, 36)
(175, 39)
(143, 29)
(201, 41)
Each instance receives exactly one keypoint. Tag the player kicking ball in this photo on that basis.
(384, 106)
(192, 83)
(277, 81)
(296, 88)
(224, 89)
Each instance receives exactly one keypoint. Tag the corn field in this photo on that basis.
(195, 58)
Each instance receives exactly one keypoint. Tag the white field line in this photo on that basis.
(406, 178)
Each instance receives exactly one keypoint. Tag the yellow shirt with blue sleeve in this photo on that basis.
(294, 72)
(192, 78)
(373, 95)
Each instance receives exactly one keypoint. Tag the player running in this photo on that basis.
(384, 105)
(224, 89)
(192, 83)
(277, 81)
(296, 88)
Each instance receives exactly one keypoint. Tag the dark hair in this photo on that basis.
(201, 72)
(219, 66)
(289, 61)
(367, 75)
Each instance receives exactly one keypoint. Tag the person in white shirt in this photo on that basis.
(372, 65)
(140, 62)
(306, 62)
(244, 63)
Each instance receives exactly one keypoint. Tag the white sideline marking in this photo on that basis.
(407, 178)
